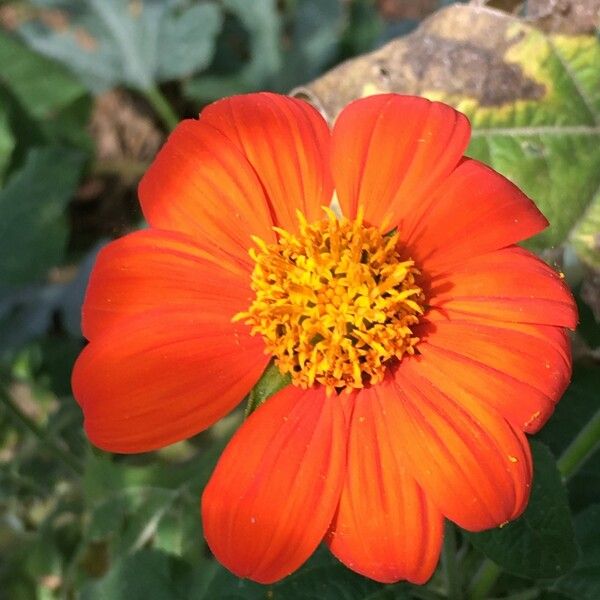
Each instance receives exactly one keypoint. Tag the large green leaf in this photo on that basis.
(260, 18)
(549, 143)
(540, 544)
(583, 582)
(41, 104)
(33, 225)
(40, 85)
(533, 99)
(138, 44)
(317, 28)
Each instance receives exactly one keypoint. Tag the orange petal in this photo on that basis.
(469, 461)
(151, 269)
(389, 152)
(520, 370)
(163, 376)
(385, 527)
(507, 285)
(276, 486)
(474, 211)
(287, 143)
(202, 185)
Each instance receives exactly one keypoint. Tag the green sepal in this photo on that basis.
(271, 381)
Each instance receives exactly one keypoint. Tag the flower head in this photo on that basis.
(377, 267)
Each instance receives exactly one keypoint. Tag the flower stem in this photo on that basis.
(162, 107)
(581, 448)
(451, 571)
(43, 436)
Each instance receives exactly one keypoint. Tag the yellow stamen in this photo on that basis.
(335, 303)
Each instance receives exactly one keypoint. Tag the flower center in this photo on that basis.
(335, 303)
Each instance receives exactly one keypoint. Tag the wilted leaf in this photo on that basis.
(33, 226)
(574, 16)
(540, 544)
(138, 43)
(533, 100)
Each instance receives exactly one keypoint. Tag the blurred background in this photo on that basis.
(89, 90)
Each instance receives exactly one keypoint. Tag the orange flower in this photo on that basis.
(420, 341)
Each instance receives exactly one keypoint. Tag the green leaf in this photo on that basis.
(107, 518)
(317, 28)
(43, 102)
(322, 577)
(33, 226)
(270, 382)
(28, 312)
(126, 502)
(149, 507)
(138, 44)
(583, 582)
(533, 99)
(7, 140)
(573, 412)
(546, 137)
(147, 574)
(327, 579)
(585, 235)
(25, 130)
(549, 144)
(588, 327)
(187, 41)
(540, 544)
(40, 85)
(135, 506)
(104, 477)
(69, 126)
(261, 20)
(576, 408)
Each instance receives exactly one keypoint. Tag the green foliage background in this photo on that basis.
(88, 92)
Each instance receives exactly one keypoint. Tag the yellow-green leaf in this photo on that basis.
(533, 99)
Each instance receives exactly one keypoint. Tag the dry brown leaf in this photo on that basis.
(457, 50)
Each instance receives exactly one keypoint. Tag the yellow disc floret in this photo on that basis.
(334, 303)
